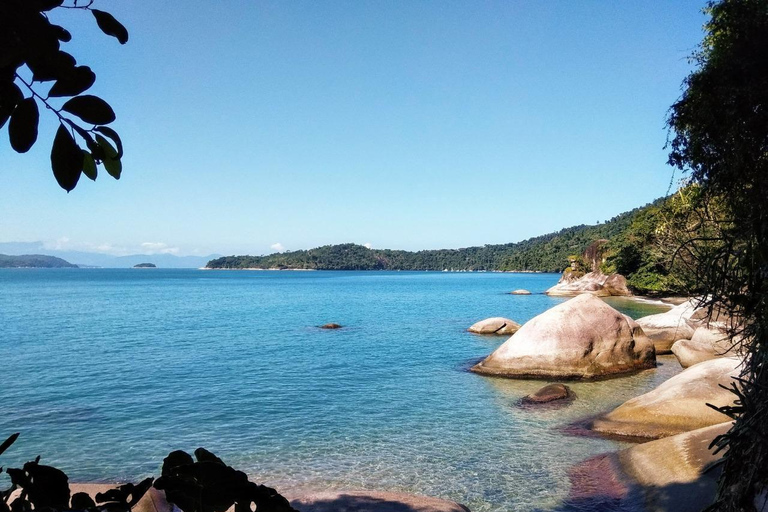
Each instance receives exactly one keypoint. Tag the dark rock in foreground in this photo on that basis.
(331, 326)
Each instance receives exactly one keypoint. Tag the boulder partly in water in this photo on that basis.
(678, 405)
(549, 393)
(496, 325)
(582, 338)
(674, 474)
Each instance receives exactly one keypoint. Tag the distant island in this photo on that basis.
(33, 261)
(145, 265)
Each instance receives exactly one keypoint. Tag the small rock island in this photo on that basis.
(145, 265)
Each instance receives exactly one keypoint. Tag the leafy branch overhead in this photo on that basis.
(31, 60)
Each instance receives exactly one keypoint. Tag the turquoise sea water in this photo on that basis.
(105, 371)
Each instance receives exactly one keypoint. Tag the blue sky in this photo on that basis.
(408, 125)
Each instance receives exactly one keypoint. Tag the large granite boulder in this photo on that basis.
(372, 501)
(582, 338)
(705, 344)
(495, 325)
(678, 405)
(666, 328)
(674, 474)
(520, 292)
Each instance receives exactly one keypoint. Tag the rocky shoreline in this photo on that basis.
(586, 339)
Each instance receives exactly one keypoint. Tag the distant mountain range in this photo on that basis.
(92, 259)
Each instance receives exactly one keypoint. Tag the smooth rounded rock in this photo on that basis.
(582, 338)
(678, 405)
(664, 329)
(705, 344)
(331, 326)
(674, 474)
(496, 325)
(372, 501)
(520, 292)
(549, 393)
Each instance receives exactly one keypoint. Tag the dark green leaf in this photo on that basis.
(45, 5)
(82, 501)
(66, 159)
(112, 134)
(89, 166)
(23, 126)
(8, 442)
(90, 109)
(10, 96)
(110, 26)
(62, 34)
(78, 80)
(111, 162)
(51, 66)
(113, 167)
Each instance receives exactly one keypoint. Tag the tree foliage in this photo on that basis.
(31, 61)
(720, 127)
(546, 253)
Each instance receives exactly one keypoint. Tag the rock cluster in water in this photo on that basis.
(582, 338)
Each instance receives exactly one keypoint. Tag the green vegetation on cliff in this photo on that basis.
(33, 261)
(545, 253)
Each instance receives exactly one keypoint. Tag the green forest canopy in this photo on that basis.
(631, 250)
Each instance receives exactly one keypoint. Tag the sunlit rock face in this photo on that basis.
(582, 338)
(678, 405)
(674, 474)
(664, 329)
(705, 344)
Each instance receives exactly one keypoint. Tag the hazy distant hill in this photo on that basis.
(545, 253)
(92, 259)
(33, 261)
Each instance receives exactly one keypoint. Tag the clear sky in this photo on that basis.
(408, 125)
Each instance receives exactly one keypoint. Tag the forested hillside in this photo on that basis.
(545, 253)
(33, 261)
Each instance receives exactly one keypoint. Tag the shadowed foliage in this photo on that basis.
(720, 127)
(202, 485)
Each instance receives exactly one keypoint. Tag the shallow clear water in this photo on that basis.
(105, 371)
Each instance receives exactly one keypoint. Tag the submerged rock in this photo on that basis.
(372, 501)
(549, 393)
(705, 344)
(678, 405)
(495, 325)
(674, 474)
(520, 292)
(331, 326)
(582, 338)
(666, 328)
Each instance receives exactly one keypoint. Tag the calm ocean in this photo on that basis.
(104, 371)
